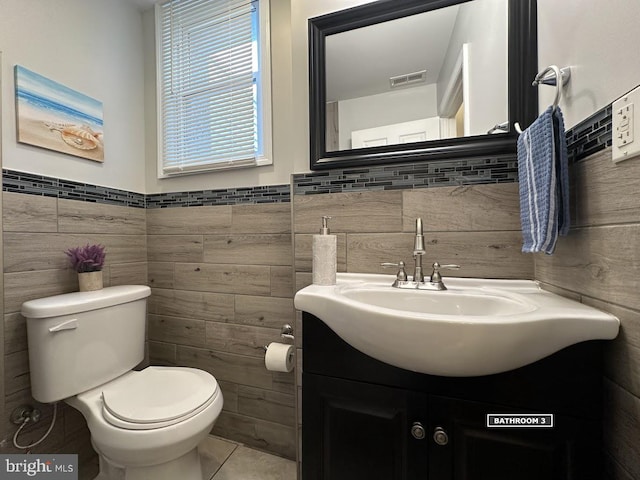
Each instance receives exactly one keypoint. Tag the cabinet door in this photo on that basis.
(354, 430)
(475, 452)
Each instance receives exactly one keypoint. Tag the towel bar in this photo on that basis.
(552, 75)
(545, 77)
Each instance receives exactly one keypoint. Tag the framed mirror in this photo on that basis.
(420, 80)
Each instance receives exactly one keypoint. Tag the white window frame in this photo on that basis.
(265, 158)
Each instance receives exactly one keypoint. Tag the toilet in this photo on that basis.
(144, 424)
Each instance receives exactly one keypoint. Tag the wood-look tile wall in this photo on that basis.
(599, 264)
(221, 279)
(477, 227)
(36, 232)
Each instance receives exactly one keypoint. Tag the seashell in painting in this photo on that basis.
(81, 137)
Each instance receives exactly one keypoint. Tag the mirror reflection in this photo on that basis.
(434, 75)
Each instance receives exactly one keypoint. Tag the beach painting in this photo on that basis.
(52, 116)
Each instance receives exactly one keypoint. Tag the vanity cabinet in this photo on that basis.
(360, 430)
(364, 419)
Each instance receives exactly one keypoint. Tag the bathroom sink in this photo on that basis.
(476, 327)
(437, 302)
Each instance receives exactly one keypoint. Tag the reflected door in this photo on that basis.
(405, 132)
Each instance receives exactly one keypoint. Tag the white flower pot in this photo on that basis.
(89, 281)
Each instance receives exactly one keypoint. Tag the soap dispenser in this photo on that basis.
(324, 255)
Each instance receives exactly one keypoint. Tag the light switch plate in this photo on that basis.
(626, 130)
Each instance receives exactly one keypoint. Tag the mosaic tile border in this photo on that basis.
(499, 169)
(32, 184)
(583, 140)
(228, 196)
(591, 135)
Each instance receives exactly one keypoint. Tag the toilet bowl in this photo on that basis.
(144, 424)
(150, 417)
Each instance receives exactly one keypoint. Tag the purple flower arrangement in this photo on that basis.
(89, 258)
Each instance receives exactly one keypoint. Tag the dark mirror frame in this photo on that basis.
(522, 97)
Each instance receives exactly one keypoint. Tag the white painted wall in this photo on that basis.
(397, 106)
(95, 47)
(301, 11)
(599, 41)
(283, 164)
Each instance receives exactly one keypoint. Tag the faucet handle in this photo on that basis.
(446, 267)
(435, 275)
(401, 276)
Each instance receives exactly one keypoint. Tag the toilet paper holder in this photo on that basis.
(286, 332)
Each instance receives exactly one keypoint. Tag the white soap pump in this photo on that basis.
(324, 248)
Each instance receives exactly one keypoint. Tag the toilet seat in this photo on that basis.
(157, 397)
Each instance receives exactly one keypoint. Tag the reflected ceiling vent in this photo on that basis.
(408, 79)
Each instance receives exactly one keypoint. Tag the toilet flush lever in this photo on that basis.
(68, 325)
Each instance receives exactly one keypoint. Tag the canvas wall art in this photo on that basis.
(53, 116)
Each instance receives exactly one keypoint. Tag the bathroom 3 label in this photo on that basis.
(519, 420)
(39, 467)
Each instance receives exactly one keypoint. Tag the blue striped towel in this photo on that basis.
(543, 173)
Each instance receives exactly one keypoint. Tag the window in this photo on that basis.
(214, 85)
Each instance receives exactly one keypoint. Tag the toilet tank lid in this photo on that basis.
(70, 303)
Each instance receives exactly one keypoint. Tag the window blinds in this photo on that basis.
(208, 74)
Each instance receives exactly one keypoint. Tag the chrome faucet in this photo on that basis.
(435, 281)
(418, 252)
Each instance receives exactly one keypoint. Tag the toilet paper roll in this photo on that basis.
(279, 357)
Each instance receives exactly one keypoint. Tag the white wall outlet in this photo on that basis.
(626, 131)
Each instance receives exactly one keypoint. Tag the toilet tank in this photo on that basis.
(80, 340)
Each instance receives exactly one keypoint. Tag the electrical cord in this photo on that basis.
(24, 424)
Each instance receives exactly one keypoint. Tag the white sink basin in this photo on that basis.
(448, 302)
(476, 327)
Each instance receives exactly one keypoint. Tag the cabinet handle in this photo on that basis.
(417, 431)
(440, 436)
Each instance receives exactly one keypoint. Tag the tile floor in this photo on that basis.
(226, 460)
